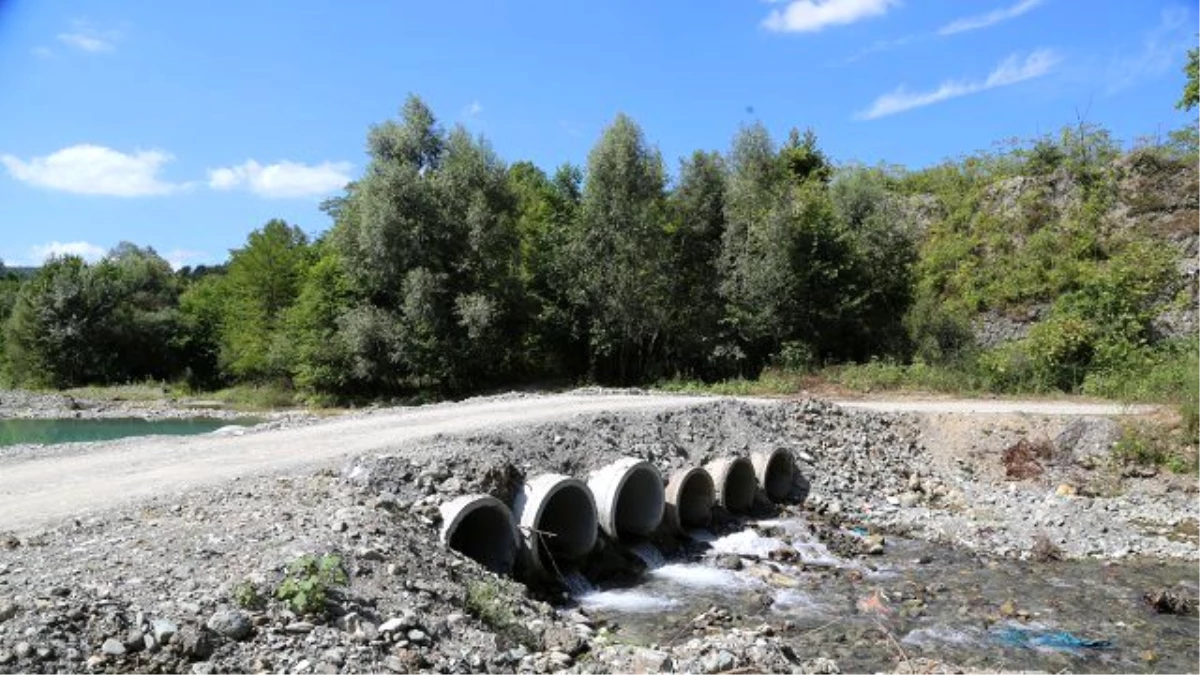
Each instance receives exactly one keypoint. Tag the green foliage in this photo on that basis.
(1153, 444)
(429, 244)
(246, 596)
(308, 581)
(263, 280)
(486, 603)
(75, 323)
(1191, 88)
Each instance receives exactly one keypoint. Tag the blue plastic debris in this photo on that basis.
(860, 531)
(1016, 637)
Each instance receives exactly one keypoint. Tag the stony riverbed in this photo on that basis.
(895, 563)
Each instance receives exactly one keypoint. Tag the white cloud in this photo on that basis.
(990, 19)
(1163, 44)
(89, 38)
(282, 180)
(42, 52)
(810, 16)
(86, 250)
(473, 109)
(94, 170)
(1010, 71)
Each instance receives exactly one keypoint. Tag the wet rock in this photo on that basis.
(729, 561)
(1173, 600)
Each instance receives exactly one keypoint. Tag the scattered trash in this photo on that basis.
(875, 603)
(859, 531)
(1017, 637)
(1175, 600)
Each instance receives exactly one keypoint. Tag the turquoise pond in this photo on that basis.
(52, 431)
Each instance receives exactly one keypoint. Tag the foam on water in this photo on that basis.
(793, 601)
(626, 600)
(699, 576)
(748, 543)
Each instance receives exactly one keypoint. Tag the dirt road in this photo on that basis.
(42, 490)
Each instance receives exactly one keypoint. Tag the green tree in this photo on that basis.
(262, 282)
(697, 207)
(60, 332)
(1191, 88)
(430, 245)
(145, 321)
(618, 251)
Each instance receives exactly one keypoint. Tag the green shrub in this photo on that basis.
(246, 596)
(1148, 443)
(306, 586)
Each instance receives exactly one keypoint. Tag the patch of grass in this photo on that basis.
(772, 382)
(486, 603)
(306, 586)
(256, 397)
(150, 390)
(888, 375)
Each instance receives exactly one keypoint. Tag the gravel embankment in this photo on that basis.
(150, 585)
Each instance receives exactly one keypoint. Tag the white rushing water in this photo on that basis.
(626, 600)
(649, 554)
(699, 576)
(747, 543)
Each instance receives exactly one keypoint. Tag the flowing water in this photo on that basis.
(918, 599)
(53, 431)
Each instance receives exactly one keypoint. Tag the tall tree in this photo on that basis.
(1191, 88)
(429, 242)
(697, 228)
(618, 251)
(263, 281)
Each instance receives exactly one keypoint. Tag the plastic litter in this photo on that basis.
(1016, 637)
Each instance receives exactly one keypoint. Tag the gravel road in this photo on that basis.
(41, 490)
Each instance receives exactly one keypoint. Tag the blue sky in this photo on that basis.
(184, 126)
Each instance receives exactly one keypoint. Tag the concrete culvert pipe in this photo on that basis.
(690, 498)
(482, 528)
(558, 517)
(774, 471)
(629, 497)
(733, 478)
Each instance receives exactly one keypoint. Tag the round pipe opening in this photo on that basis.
(735, 483)
(775, 471)
(629, 497)
(694, 499)
(481, 527)
(559, 518)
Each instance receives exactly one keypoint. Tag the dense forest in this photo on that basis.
(447, 270)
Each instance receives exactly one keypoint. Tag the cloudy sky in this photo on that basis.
(184, 125)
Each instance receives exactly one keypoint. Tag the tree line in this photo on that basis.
(447, 269)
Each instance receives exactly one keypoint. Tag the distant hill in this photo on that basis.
(22, 272)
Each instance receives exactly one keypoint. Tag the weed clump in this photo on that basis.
(308, 582)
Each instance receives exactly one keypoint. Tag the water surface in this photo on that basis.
(53, 431)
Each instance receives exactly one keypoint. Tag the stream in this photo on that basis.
(916, 600)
